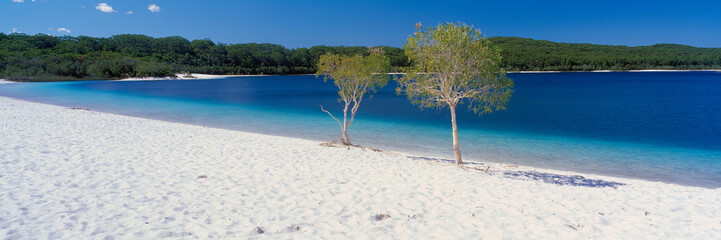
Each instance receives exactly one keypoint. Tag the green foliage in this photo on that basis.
(130, 55)
(30, 56)
(523, 54)
(452, 64)
(355, 77)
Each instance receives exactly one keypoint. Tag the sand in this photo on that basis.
(179, 76)
(79, 174)
(193, 76)
(641, 70)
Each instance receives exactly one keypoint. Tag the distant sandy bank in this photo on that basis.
(643, 70)
(194, 76)
(181, 76)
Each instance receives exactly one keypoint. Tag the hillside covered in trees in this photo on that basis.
(523, 54)
(43, 57)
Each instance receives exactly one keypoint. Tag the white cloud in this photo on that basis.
(21, 1)
(15, 30)
(104, 7)
(153, 8)
(65, 30)
(129, 12)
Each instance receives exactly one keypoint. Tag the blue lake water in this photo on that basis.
(661, 126)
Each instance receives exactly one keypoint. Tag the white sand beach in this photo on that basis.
(641, 70)
(80, 174)
(179, 76)
(193, 76)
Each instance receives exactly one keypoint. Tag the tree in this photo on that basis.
(453, 64)
(38, 57)
(355, 77)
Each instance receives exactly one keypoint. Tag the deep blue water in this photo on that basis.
(663, 126)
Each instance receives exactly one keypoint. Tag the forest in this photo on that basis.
(42, 57)
(523, 54)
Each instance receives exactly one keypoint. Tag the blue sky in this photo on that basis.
(370, 23)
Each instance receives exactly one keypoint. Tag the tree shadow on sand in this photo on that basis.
(572, 180)
(551, 178)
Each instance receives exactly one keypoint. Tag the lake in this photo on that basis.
(661, 126)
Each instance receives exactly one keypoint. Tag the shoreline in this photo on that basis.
(495, 164)
(180, 76)
(640, 70)
(439, 155)
(200, 76)
(72, 173)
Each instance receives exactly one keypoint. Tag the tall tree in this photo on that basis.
(453, 64)
(355, 77)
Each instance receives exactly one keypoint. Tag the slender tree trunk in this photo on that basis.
(344, 139)
(456, 149)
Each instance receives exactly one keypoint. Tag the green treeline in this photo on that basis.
(523, 54)
(26, 57)
(48, 57)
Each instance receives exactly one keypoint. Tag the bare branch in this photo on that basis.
(355, 77)
(331, 115)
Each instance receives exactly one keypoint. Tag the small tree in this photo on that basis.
(355, 77)
(452, 64)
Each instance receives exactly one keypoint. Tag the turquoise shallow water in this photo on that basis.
(656, 126)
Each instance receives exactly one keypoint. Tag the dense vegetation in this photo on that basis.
(48, 57)
(41, 56)
(523, 54)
